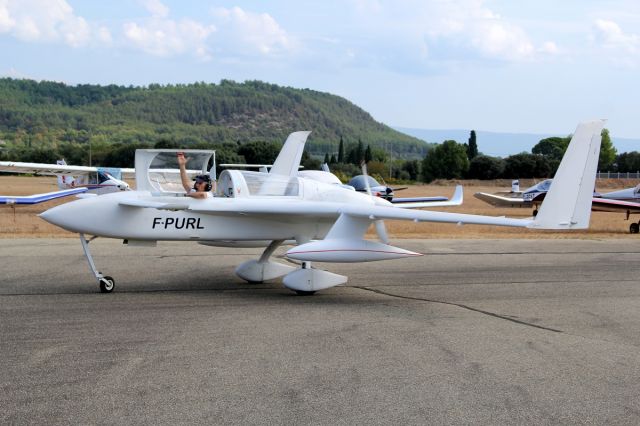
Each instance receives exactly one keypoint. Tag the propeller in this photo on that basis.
(381, 229)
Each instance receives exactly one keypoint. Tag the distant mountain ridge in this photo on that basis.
(44, 114)
(500, 144)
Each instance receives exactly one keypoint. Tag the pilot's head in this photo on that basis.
(200, 180)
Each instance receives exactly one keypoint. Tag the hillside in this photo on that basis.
(45, 114)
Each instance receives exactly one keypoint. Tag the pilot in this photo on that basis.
(202, 186)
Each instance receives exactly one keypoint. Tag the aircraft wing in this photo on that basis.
(607, 205)
(45, 169)
(501, 201)
(419, 202)
(334, 210)
(39, 198)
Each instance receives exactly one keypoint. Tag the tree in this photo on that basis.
(259, 152)
(368, 156)
(525, 165)
(485, 167)
(355, 154)
(412, 168)
(552, 149)
(447, 160)
(472, 147)
(607, 152)
(308, 162)
(628, 162)
(341, 151)
(326, 158)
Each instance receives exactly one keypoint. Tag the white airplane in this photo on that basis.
(530, 197)
(97, 180)
(326, 222)
(73, 180)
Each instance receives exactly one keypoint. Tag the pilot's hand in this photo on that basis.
(182, 160)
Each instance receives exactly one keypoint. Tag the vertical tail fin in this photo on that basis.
(290, 155)
(64, 181)
(567, 205)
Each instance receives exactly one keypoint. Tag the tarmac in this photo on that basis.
(474, 332)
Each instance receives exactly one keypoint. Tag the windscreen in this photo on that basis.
(164, 172)
(270, 185)
(360, 182)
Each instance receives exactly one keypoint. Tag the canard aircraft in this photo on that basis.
(326, 222)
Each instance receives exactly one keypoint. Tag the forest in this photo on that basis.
(245, 122)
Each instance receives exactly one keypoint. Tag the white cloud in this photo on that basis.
(610, 35)
(156, 8)
(446, 30)
(249, 33)
(165, 37)
(549, 47)
(161, 36)
(6, 22)
(48, 21)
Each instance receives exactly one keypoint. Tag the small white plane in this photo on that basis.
(98, 180)
(624, 201)
(74, 180)
(326, 222)
(530, 197)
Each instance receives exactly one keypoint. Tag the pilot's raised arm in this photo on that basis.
(202, 186)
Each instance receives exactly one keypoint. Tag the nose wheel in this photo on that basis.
(107, 284)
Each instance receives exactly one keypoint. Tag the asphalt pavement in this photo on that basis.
(474, 332)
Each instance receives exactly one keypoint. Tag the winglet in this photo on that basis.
(290, 155)
(567, 205)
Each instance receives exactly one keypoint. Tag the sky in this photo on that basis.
(495, 65)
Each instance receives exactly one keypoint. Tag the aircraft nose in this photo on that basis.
(58, 216)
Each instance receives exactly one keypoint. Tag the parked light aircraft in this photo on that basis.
(326, 222)
(530, 197)
(624, 200)
(362, 182)
(365, 183)
(609, 203)
(98, 180)
(73, 180)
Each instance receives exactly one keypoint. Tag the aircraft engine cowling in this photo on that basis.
(347, 251)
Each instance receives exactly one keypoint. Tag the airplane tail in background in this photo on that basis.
(567, 205)
(64, 181)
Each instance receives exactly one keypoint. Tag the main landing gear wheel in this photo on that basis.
(304, 293)
(107, 284)
(634, 228)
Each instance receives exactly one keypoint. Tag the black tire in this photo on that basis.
(107, 284)
(634, 228)
(304, 293)
(535, 212)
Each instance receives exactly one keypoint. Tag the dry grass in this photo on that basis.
(22, 221)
